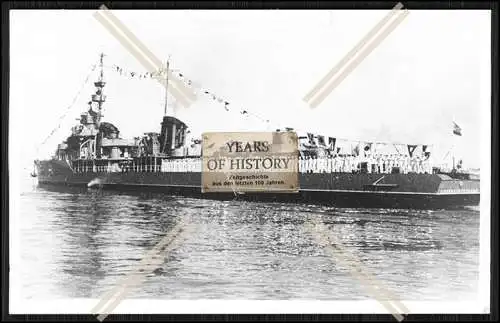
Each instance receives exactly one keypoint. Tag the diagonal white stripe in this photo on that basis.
(352, 52)
(177, 88)
(349, 67)
(338, 251)
(351, 61)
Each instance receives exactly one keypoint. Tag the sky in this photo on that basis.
(432, 69)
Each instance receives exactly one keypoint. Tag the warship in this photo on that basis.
(94, 155)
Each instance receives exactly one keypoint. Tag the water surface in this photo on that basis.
(80, 243)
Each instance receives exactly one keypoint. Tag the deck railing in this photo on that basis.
(371, 165)
(306, 165)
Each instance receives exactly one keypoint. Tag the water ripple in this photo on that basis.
(79, 243)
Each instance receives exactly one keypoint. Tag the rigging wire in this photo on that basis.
(93, 67)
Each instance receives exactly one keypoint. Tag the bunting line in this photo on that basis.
(198, 89)
(185, 90)
(193, 86)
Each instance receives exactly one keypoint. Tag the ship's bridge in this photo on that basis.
(117, 148)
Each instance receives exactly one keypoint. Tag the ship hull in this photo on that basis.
(408, 191)
(331, 198)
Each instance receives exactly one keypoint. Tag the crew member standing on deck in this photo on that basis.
(398, 162)
(371, 164)
(315, 164)
(319, 164)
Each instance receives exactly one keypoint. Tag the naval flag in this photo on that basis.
(331, 142)
(456, 129)
(411, 149)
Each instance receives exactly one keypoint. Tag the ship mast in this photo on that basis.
(166, 69)
(99, 98)
(166, 85)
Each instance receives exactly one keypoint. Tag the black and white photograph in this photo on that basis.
(249, 161)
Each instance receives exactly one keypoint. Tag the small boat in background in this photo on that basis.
(34, 172)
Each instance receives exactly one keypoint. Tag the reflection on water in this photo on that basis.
(80, 243)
